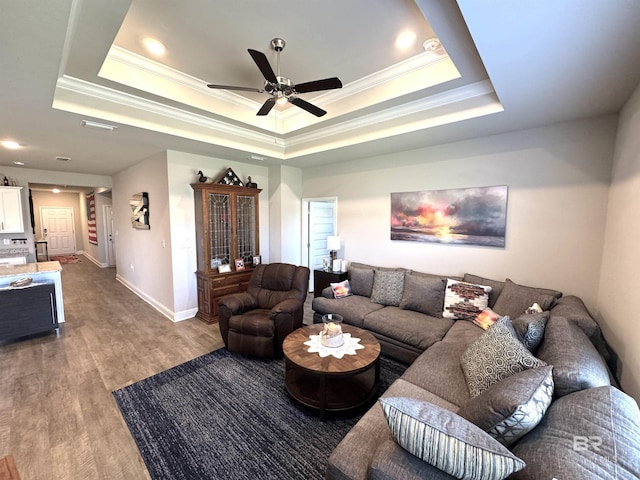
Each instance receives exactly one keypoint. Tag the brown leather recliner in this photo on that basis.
(257, 321)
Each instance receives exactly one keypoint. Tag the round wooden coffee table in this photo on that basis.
(331, 384)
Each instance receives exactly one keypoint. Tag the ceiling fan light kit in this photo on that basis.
(281, 88)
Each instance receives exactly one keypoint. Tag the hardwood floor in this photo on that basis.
(57, 415)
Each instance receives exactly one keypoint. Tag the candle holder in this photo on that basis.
(331, 334)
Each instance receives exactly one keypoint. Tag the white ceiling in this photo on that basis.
(504, 65)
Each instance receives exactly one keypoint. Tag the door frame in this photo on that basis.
(306, 226)
(110, 250)
(73, 223)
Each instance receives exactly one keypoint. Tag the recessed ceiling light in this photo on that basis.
(405, 39)
(56, 190)
(154, 47)
(10, 144)
(15, 162)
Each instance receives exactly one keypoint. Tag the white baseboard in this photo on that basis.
(174, 317)
(93, 260)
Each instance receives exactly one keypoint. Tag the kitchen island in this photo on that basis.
(42, 273)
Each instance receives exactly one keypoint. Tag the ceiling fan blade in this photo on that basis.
(264, 66)
(325, 84)
(303, 104)
(231, 87)
(267, 106)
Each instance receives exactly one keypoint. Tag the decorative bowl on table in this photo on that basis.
(331, 334)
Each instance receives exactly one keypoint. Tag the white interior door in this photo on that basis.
(57, 230)
(320, 219)
(109, 240)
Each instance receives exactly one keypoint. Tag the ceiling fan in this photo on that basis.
(282, 88)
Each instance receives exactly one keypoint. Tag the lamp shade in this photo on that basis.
(333, 242)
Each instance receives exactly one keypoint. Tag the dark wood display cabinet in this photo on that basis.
(227, 219)
(27, 311)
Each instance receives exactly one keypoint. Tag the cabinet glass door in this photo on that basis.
(246, 227)
(220, 228)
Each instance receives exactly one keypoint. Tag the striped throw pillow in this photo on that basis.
(448, 441)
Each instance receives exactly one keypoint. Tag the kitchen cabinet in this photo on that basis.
(11, 210)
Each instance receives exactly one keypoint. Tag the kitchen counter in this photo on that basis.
(28, 269)
(41, 272)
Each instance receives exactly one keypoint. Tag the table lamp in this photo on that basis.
(333, 244)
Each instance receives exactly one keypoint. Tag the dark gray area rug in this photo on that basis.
(226, 416)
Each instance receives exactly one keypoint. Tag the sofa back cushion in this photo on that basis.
(423, 293)
(515, 299)
(361, 279)
(576, 362)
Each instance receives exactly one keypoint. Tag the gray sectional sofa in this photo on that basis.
(455, 413)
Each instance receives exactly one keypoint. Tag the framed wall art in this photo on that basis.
(463, 216)
(139, 204)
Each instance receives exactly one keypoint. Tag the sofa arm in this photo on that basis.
(327, 292)
(290, 305)
(238, 303)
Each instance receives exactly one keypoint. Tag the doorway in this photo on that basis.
(108, 233)
(58, 230)
(318, 222)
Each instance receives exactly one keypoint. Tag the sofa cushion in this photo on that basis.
(591, 435)
(391, 462)
(464, 301)
(497, 354)
(361, 280)
(447, 441)
(509, 409)
(515, 299)
(576, 362)
(406, 326)
(387, 287)
(353, 308)
(530, 329)
(423, 294)
(573, 309)
(341, 289)
(496, 286)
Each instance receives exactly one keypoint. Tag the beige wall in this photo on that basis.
(619, 292)
(558, 178)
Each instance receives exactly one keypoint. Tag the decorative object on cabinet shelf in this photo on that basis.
(139, 204)
(224, 268)
(5, 182)
(251, 184)
(333, 245)
(239, 264)
(202, 178)
(230, 178)
(257, 260)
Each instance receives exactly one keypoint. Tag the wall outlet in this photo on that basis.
(7, 241)
(131, 267)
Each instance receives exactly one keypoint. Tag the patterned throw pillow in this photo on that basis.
(497, 354)
(387, 287)
(464, 301)
(341, 289)
(486, 318)
(530, 329)
(447, 441)
(513, 407)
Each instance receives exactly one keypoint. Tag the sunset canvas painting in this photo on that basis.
(466, 216)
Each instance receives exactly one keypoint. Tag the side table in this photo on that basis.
(322, 279)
